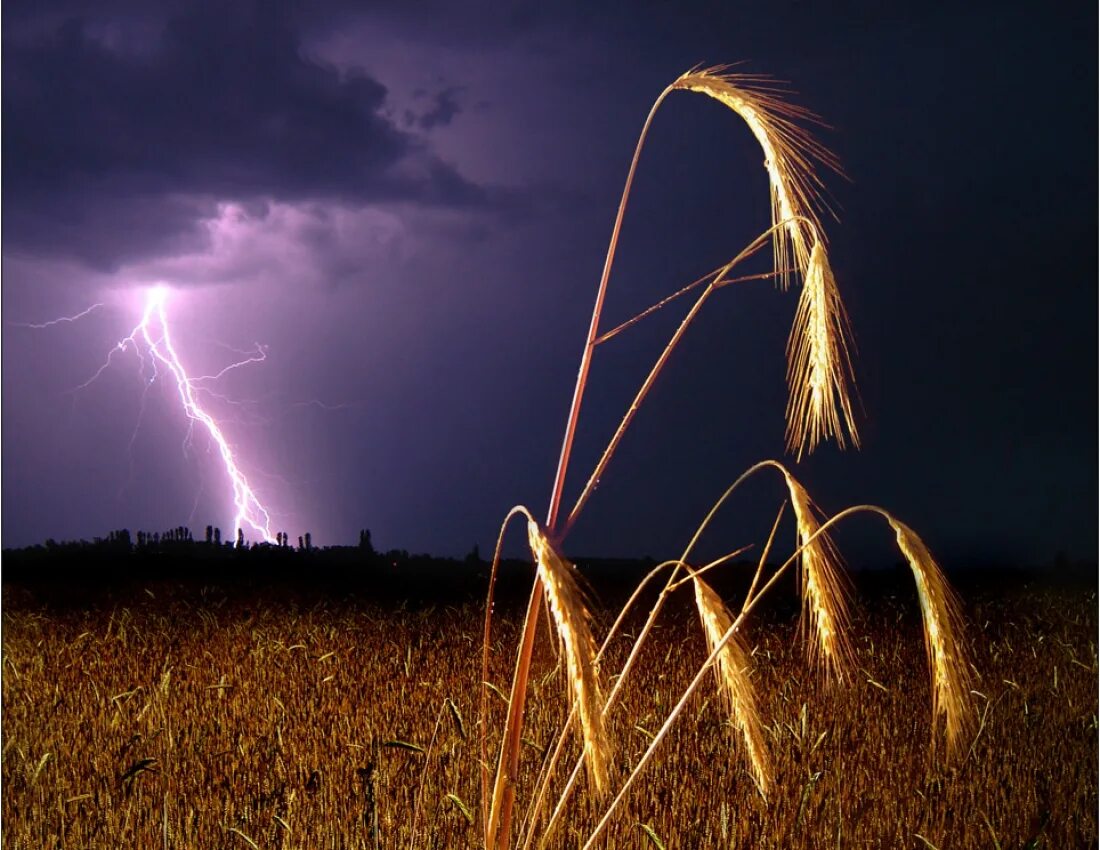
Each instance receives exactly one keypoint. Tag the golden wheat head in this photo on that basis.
(819, 366)
(734, 681)
(948, 658)
(572, 622)
(789, 156)
(825, 614)
(818, 362)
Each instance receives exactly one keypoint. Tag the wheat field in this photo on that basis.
(185, 718)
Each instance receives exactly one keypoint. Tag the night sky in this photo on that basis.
(408, 205)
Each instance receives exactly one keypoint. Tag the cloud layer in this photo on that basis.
(119, 149)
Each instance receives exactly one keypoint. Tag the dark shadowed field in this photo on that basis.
(187, 716)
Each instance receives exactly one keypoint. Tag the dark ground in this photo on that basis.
(182, 693)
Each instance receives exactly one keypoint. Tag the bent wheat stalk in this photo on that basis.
(825, 617)
(819, 372)
(825, 611)
(824, 607)
(949, 660)
(790, 153)
(951, 671)
(789, 156)
(572, 623)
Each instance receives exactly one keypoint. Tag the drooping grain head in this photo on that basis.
(818, 363)
(825, 616)
(573, 625)
(948, 658)
(789, 156)
(734, 681)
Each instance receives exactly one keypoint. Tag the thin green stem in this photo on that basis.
(523, 662)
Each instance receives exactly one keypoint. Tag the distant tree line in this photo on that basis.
(182, 534)
(122, 558)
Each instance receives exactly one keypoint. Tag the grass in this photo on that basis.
(271, 716)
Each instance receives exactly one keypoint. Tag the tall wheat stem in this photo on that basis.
(488, 813)
(594, 324)
(514, 730)
(504, 791)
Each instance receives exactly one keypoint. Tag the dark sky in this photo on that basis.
(408, 204)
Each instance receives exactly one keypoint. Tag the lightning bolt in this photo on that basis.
(58, 321)
(258, 355)
(153, 335)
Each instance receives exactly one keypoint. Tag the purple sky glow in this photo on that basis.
(406, 213)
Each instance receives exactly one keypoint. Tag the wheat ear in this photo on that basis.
(572, 622)
(948, 658)
(825, 613)
(819, 365)
(789, 153)
(734, 682)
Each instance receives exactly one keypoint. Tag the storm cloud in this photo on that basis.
(116, 151)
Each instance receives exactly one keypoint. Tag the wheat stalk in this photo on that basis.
(790, 153)
(734, 682)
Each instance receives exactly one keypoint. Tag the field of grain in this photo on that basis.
(207, 718)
